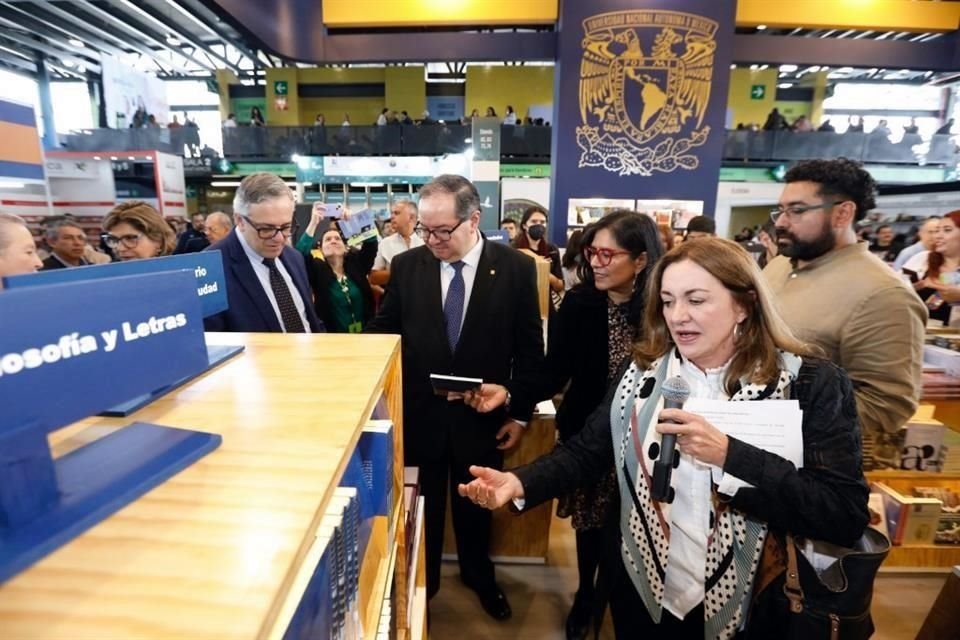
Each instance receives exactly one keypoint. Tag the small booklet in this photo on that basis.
(442, 385)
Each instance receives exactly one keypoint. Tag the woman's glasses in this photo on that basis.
(129, 241)
(603, 256)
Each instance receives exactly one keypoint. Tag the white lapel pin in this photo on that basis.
(493, 271)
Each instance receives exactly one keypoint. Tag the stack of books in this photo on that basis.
(911, 521)
(948, 529)
(950, 452)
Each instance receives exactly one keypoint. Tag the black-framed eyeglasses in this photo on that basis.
(130, 240)
(442, 235)
(800, 209)
(268, 231)
(604, 256)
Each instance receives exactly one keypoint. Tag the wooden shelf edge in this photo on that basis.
(377, 613)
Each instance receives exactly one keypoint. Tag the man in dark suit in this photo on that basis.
(190, 239)
(464, 307)
(267, 286)
(67, 242)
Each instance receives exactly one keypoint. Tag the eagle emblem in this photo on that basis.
(645, 81)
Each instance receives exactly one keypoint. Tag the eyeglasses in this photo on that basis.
(797, 210)
(442, 235)
(604, 256)
(268, 231)
(129, 241)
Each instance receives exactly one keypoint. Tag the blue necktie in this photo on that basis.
(453, 306)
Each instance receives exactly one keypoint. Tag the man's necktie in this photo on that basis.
(288, 310)
(453, 307)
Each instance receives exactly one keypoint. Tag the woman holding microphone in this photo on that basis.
(689, 568)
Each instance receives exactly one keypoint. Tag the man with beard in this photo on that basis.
(834, 293)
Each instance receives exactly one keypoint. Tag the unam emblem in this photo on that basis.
(641, 112)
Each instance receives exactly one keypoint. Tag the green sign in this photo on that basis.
(524, 171)
(278, 168)
(758, 91)
(280, 87)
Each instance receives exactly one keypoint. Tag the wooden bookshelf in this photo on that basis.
(219, 551)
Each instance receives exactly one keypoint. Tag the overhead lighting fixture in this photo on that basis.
(227, 183)
(131, 158)
(96, 157)
(813, 69)
(788, 67)
(733, 66)
(113, 157)
(845, 70)
(173, 41)
(468, 140)
(4, 184)
(764, 67)
(761, 27)
(784, 85)
(360, 185)
(68, 63)
(76, 43)
(754, 67)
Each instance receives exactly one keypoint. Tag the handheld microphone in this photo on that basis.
(675, 392)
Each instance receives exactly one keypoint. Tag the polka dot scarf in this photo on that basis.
(735, 543)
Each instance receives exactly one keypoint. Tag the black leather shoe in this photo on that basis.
(495, 603)
(578, 620)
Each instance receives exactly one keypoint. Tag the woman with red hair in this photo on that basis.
(936, 273)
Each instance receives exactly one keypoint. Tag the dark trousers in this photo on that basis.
(631, 620)
(471, 524)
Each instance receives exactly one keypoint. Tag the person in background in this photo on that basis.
(856, 125)
(510, 226)
(700, 227)
(18, 250)
(406, 119)
(802, 125)
(175, 124)
(532, 238)
(342, 296)
(926, 241)
(387, 229)
(912, 128)
(572, 259)
(67, 242)
(666, 237)
(491, 112)
(511, 117)
(767, 236)
(135, 231)
(881, 130)
(382, 118)
(403, 217)
(346, 120)
(946, 129)
(598, 322)
(256, 118)
(216, 227)
(320, 121)
(425, 118)
(231, 121)
(192, 236)
(935, 274)
(267, 283)
(463, 306)
(691, 568)
(826, 127)
(884, 246)
(775, 121)
(833, 293)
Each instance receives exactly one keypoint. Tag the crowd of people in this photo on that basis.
(815, 315)
(388, 116)
(776, 121)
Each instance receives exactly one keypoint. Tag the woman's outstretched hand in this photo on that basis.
(491, 489)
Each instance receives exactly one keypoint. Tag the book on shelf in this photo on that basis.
(948, 529)
(878, 516)
(911, 521)
(922, 441)
(414, 553)
(376, 453)
(950, 452)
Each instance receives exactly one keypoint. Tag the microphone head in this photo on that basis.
(676, 390)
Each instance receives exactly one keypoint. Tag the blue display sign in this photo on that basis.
(639, 102)
(72, 350)
(206, 266)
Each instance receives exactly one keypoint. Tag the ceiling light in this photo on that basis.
(218, 183)
(131, 158)
(733, 66)
(113, 157)
(68, 63)
(96, 157)
(784, 85)
(4, 184)
(754, 67)
(76, 43)
(788, 67)
(764, 67)
(761, 27)
(173, 41)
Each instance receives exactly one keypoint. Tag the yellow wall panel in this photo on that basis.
(406, 90)
(744, 109)
(881, 15)
(225, 78)
(337, 75)
(362, 111)
(395, 13)
(497, 87)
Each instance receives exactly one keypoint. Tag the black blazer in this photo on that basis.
(579, 353)
(356, 266)
(250, 309)
(52, 263)
(501, 341)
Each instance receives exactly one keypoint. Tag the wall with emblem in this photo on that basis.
(640, 101)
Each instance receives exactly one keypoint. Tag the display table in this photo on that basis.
(214, 552)
(943, 621)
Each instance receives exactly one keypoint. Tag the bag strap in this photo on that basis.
(791, 587)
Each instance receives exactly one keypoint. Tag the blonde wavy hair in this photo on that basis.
(761, 333)
(145, 219)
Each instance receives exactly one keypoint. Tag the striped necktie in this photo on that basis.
(453, 306)
(292, 322)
